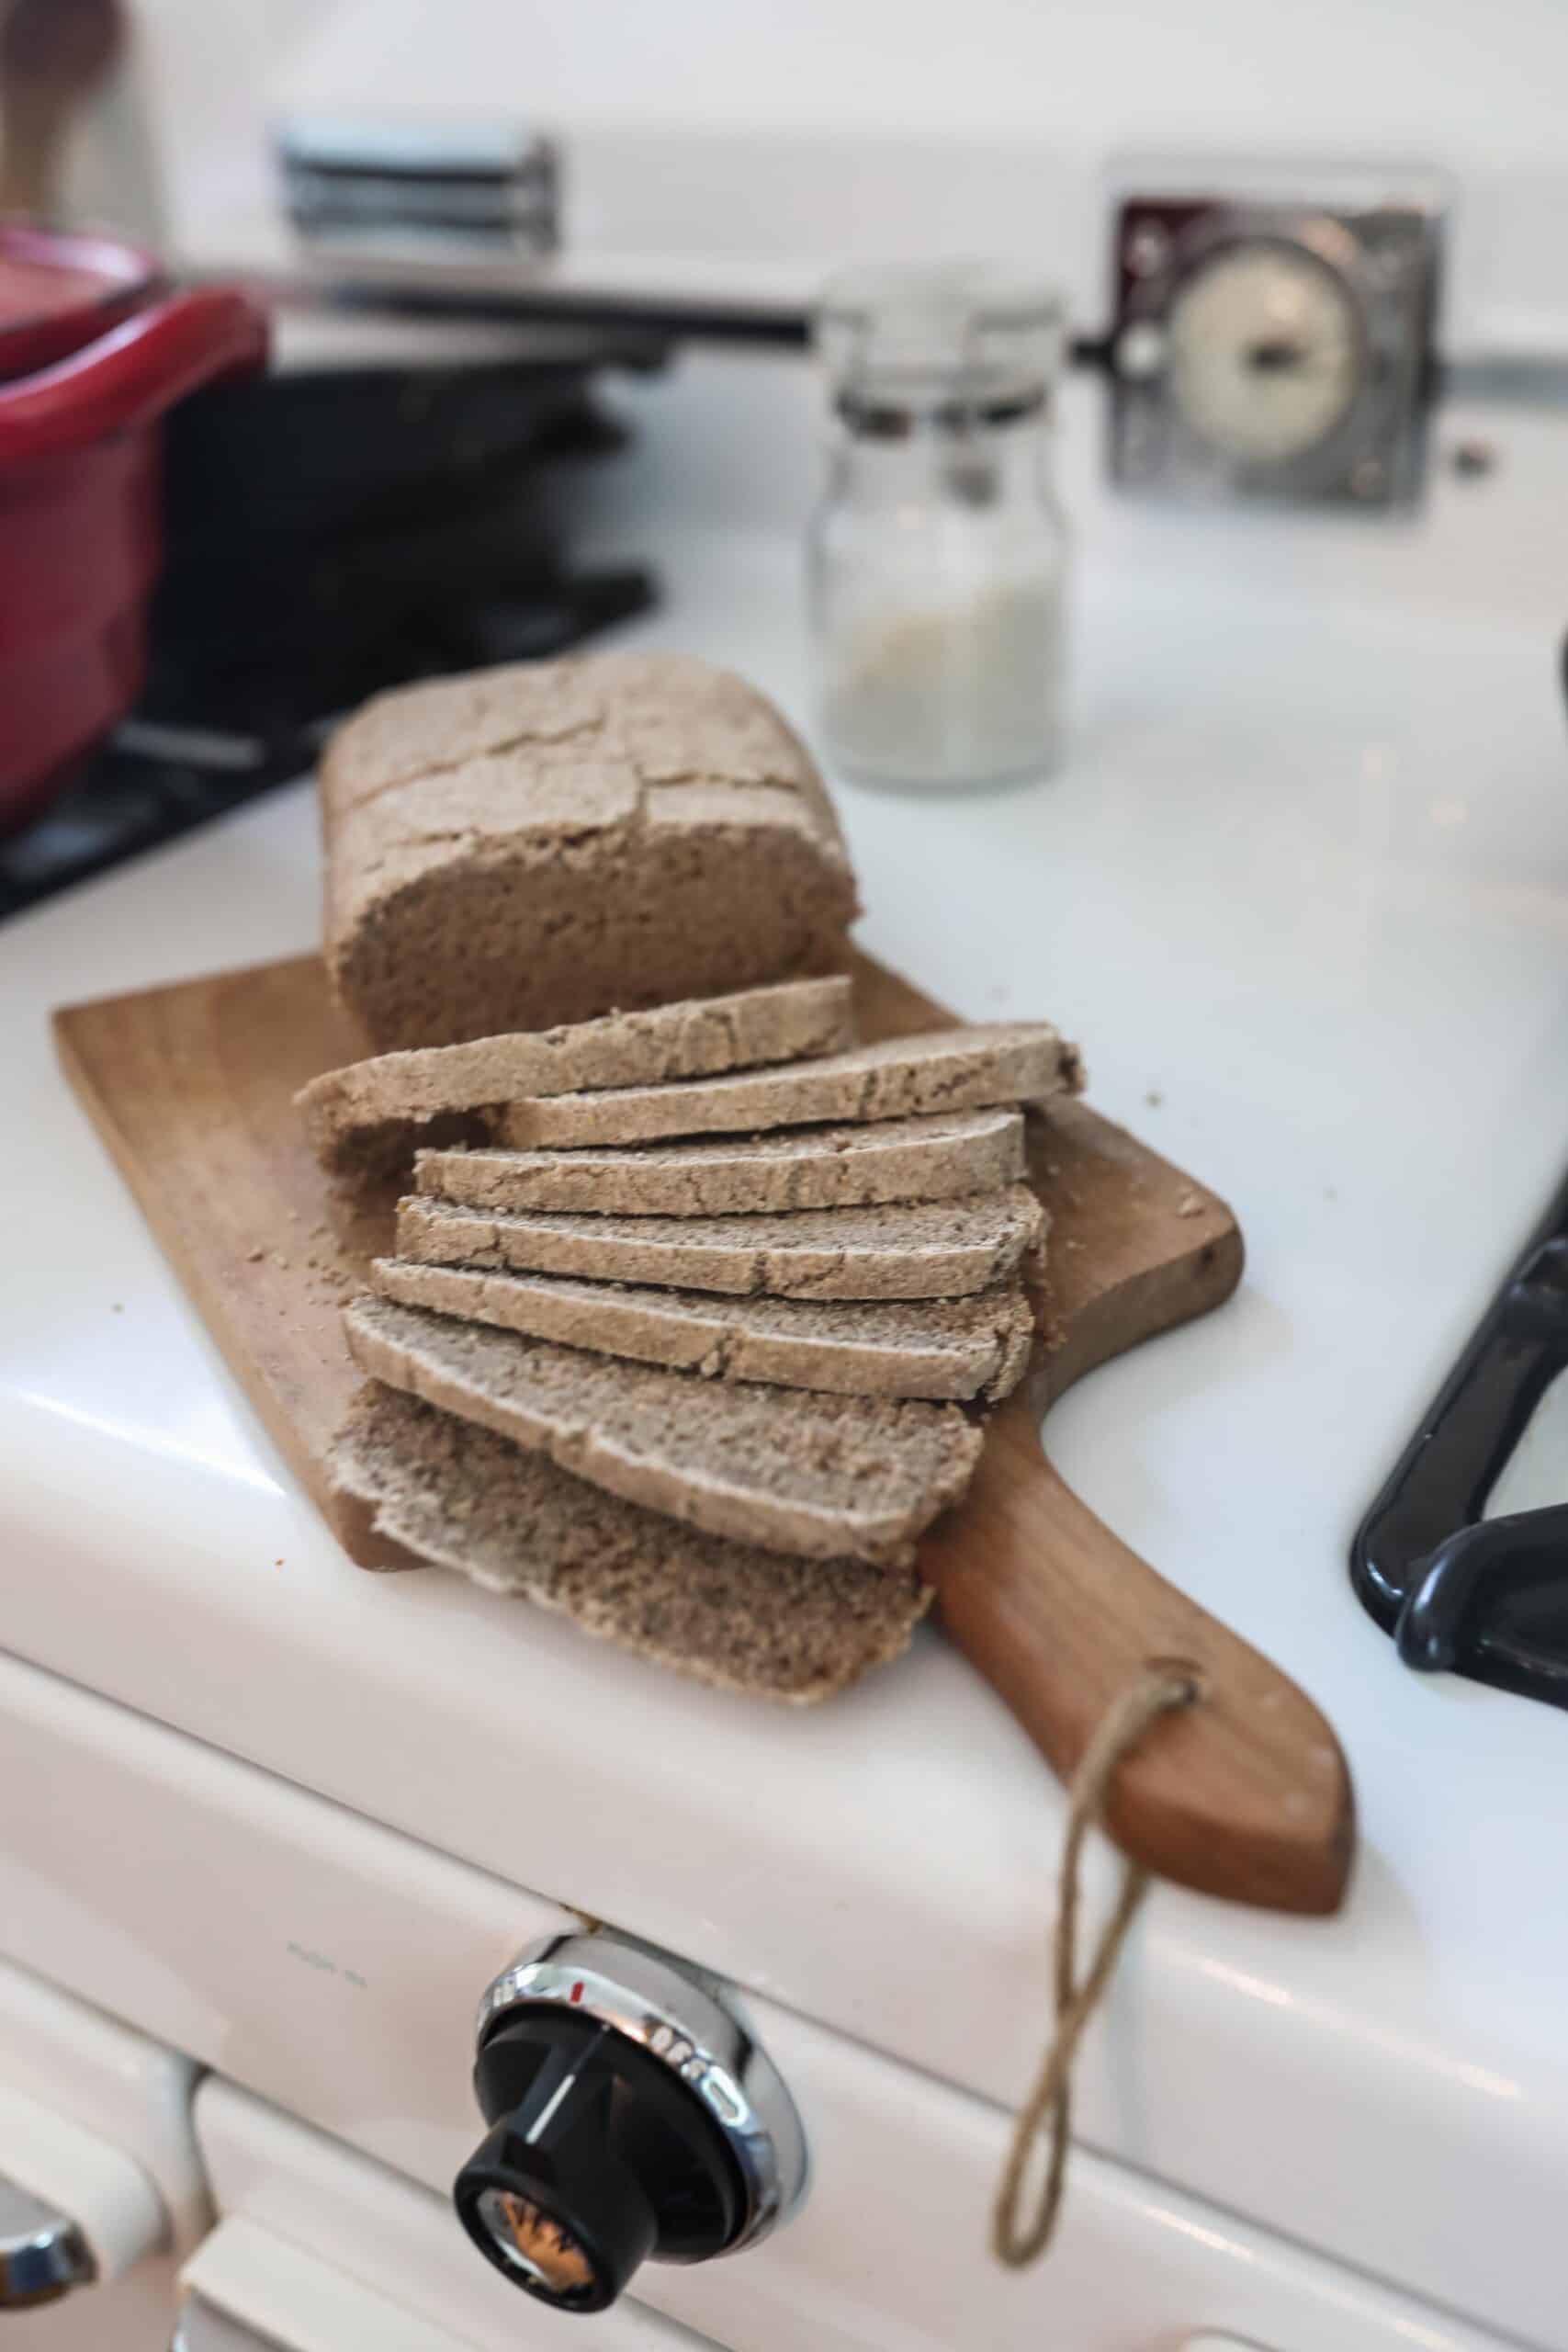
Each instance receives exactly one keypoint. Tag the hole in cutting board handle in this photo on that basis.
(1182, 1669)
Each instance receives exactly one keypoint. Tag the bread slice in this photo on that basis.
(369, 1112)
(725, 1613)
(820, 1477)
(958, 1348)
(938, 1158)
(911, 1250)
(546, 841)
(951, 1069)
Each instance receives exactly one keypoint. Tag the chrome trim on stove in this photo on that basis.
(42, 2252)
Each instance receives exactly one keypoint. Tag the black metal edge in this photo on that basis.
(1502, 1373)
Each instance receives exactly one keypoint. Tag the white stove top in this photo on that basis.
(1303, 893)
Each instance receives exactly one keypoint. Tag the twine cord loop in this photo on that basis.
(1017, 2239)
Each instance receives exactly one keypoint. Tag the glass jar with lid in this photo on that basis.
(939, 553)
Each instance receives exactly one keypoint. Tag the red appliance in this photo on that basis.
(94, 350)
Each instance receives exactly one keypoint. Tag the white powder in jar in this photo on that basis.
(964, 692)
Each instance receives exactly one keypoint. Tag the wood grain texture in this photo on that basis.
(191, 1089)
(1245, 1796)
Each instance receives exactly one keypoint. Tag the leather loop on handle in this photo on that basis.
(130, 376)
(1245, 1796)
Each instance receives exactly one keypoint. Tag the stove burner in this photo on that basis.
(1459, 1592)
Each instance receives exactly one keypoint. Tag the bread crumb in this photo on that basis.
(255, 1256)
(1153, 1097)
(279, 1259)
(277, 1564)
(116, 1309)
(1190, 1204)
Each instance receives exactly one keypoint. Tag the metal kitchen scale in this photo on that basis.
(1271, 331)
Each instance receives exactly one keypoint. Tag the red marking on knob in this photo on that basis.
(576, 1993)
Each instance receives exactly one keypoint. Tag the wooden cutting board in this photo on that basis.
(1246, 1795)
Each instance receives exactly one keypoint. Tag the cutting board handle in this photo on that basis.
(1246, 1794)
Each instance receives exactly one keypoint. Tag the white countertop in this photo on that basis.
(1303, 890)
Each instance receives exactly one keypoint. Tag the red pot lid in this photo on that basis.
(58, 292)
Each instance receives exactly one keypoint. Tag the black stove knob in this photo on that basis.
(632, 2116)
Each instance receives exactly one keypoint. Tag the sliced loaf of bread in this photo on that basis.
(951, 1069)
(938, 1158)
(548, 840)
(910, 1250)
(957, 1348)
(817, 1477)
(726, 1614)
(370, 1110)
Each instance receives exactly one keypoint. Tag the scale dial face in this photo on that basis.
(1265, 352)
(1274, 345)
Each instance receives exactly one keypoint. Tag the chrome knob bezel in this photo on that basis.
(693, 2025)
(43, 2254)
